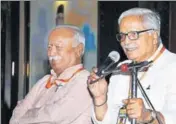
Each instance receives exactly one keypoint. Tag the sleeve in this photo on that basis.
(169, 109)
(112, 111)
(65, 110)
(24, 105)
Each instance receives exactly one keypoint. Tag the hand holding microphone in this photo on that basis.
(96, 83)
(112, 58)
(99, 88)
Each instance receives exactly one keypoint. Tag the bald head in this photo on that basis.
(70, 31)
(62, 36)
(66, 33)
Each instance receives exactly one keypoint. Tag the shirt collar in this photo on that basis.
(67, 72)
(156, 52)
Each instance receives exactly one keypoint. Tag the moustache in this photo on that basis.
(54, 58)
(129, 46)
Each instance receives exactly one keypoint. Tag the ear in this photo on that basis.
(155, 37)
(79, 50)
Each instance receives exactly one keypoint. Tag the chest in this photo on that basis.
(52, 95)
(154, 87)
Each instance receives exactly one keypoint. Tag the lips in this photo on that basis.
(55, 62)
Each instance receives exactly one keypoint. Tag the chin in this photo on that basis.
(131, 56)
(134, 59)
(57, 71)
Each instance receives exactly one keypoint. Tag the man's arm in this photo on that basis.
(100, 107)
(105, 113)
(169, 109)
(24, 105)
(168, 114)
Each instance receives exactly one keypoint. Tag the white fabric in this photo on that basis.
(161, 77)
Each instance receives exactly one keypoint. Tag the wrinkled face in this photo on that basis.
(142, 48)
(60, 51)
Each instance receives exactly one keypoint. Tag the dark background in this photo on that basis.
(109, 12)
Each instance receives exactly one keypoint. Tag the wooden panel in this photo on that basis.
(172, 27)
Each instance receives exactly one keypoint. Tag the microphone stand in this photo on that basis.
(134, 71)
(134, 84)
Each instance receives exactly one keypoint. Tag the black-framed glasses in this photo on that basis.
(132, 35)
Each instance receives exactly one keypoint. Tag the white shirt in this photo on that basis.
(161, 78)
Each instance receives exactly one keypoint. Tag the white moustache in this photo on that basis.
(130, 46)
(54, 58)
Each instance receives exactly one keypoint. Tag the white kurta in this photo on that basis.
(159, 83)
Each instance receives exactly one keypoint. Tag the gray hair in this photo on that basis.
(151, 19)
(78, 35)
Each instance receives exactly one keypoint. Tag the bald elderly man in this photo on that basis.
(62, 96)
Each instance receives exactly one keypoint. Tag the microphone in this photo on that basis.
(112, 58)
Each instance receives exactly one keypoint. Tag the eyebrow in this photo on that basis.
(55, 43)
(59, 45)
(130, 31)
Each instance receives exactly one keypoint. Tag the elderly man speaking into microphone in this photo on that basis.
(139, 36)
(62, 96)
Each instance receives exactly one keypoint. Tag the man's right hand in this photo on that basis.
(98, 89)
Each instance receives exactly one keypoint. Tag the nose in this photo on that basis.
(126, 41)
(52, 51)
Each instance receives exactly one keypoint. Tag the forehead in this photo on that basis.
(131, 23)
(60, 35)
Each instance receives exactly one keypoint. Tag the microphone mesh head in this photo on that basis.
(114, 55)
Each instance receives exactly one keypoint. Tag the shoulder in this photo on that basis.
(169, 62)
(81, 77)
(166, 70)
(37, 88)
(171, 56)
(41, 82)
(83, 74)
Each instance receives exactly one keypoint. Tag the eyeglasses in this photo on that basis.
(132, 35)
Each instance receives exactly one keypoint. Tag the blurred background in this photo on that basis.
(26, 24)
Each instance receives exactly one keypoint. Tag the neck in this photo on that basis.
(60, 71)
(148, 56)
